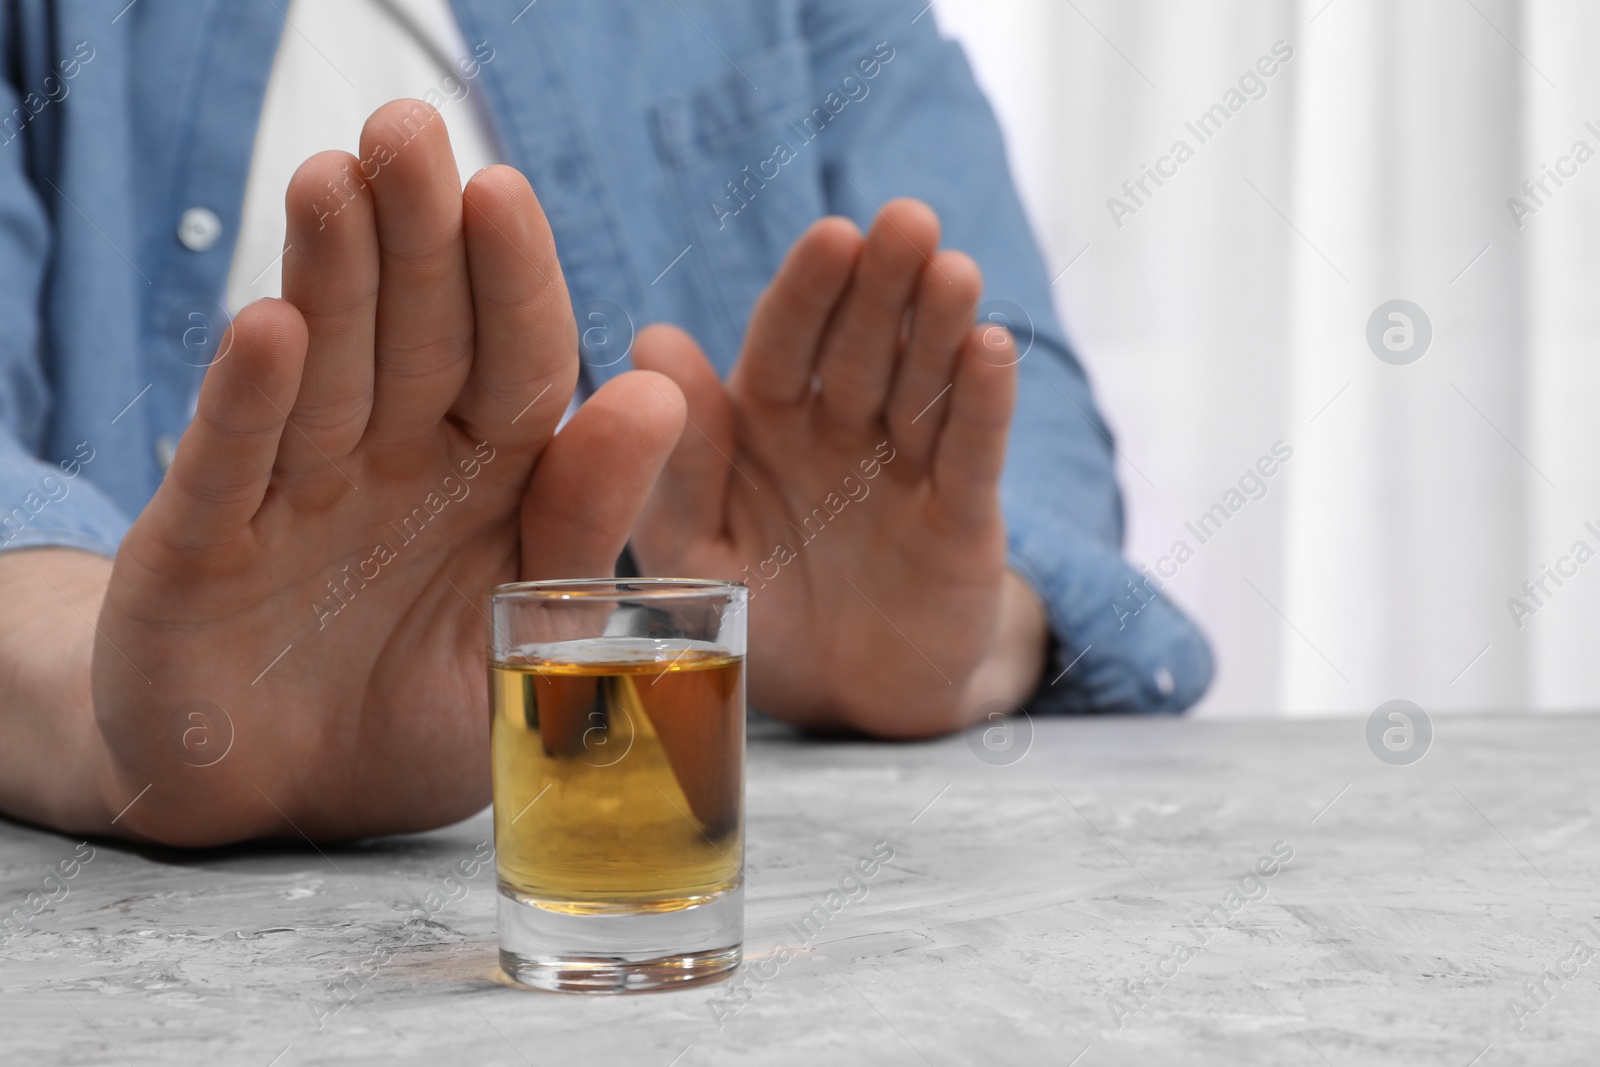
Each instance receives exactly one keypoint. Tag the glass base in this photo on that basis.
(619, 951)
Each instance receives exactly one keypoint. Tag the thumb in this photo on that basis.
(589, 484)
(690, 501)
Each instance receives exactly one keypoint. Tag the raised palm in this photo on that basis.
(293, 638)
(849, 472)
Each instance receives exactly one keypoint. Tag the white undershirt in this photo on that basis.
(338, 62)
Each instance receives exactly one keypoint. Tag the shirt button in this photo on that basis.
(166, 449)
(199, 229)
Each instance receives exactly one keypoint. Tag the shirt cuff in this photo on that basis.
(54, 505)
(1118, 644)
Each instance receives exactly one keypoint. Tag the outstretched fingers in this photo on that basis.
(689, 502)
(526, 362)
(592, 481)
(862, 347)
(971, 450)
(947, 300)
(225, 460)
(330, 274)
(779, 359)
(424, 316)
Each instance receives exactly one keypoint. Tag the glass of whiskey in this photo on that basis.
(618, 738)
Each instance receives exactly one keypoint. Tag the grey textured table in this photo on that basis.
(1021, 902)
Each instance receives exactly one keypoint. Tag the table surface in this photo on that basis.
(1023, 898)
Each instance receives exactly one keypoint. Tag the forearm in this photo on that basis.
(53, 766)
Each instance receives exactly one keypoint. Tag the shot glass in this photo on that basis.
(618, 739)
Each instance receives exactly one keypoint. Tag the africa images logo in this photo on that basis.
(1399, 332)
(1399, 732)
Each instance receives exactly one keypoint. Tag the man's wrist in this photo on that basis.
(1015, 664)
(54, 767)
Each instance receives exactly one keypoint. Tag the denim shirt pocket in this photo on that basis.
(738, 155)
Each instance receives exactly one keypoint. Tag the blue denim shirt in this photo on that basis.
(701, 129)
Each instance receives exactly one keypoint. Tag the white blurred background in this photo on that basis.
(1230, 311)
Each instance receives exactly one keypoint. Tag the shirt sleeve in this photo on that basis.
(42, 503)
(913, 122)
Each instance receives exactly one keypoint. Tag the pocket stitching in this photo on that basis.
(686, 134)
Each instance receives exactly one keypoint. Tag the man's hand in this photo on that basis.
(849, 472)
(292, 640)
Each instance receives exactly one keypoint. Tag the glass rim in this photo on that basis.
(558, 589)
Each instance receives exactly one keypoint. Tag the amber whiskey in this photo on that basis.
(618, 771)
